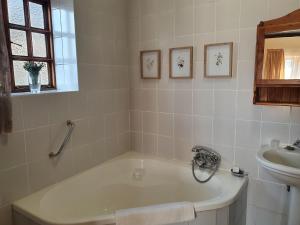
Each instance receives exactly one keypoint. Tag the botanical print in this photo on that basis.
(150, 63)
(218, 60)
(181, 62)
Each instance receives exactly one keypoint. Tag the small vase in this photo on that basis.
(34, 80)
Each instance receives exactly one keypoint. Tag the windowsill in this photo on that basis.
(43, 92)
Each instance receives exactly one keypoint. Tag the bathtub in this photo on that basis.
(130, 181)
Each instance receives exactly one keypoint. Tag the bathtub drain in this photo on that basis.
(138, 174)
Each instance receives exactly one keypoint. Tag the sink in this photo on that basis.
(284, 166)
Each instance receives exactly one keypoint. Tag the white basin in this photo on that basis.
(284, 166)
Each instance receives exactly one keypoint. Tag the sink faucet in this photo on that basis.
(297, 143)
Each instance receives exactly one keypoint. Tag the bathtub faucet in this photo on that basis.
(297, 143)
(205, 158)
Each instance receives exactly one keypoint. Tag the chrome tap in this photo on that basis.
(207, 159)
(297, 143)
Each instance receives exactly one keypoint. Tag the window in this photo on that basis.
(29, 38)
(292, 67)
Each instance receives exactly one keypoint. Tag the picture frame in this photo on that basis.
(218, 59)
(150, 64)
(181, 63)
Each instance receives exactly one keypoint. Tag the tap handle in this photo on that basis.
(199, 148)
(297, 143)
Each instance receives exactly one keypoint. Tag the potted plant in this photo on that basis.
(34, 77)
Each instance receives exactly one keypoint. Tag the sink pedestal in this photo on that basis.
(294, 207)
(284, 166)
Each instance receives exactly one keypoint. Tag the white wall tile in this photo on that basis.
(149, 27)
(248, 134)
(227, 155)
(17, 114)
(184, 21)
(275, 131)
(245, 108)
(247, 44)
(203, 130)
(279, 114)
(227, 14)
(38, 143)
(183, 126)
(166, 101)
(203, 102)
(165, 147)
(278, 8)
(295, 115)
(205, 18)
(245, 75)
(12, 150)
(149, 144)
(150, 122)
(295, 133)
(253, 11)
(35, 111)
(223, 131)
(182, 149)
(41, 174)
(224, 104)
(246, 159)
(82, 157)
(148, 101)
(183, 102)
(165, 124)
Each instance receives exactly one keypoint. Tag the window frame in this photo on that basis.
(47, 31)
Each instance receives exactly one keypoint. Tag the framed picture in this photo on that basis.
(150, 63)
(181, 63)
(218, 60)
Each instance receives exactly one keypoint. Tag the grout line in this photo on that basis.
(236, 87)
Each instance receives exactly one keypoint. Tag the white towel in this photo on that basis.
(157, 214)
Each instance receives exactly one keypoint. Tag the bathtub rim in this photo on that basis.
(23, 206)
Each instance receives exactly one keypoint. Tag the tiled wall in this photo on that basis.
(100, 110)
(169, 116)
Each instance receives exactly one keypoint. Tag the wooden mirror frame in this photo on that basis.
(275, 92)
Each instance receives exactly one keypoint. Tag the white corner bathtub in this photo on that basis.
(129, 181)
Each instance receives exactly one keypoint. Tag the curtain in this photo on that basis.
(275, 64)
(5, 100)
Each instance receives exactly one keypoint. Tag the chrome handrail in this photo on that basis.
(71, 127)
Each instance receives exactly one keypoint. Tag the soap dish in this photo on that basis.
(241, 173)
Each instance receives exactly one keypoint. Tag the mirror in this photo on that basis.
(281, 58)
(277, 65)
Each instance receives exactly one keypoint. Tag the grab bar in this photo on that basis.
(71, 127)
